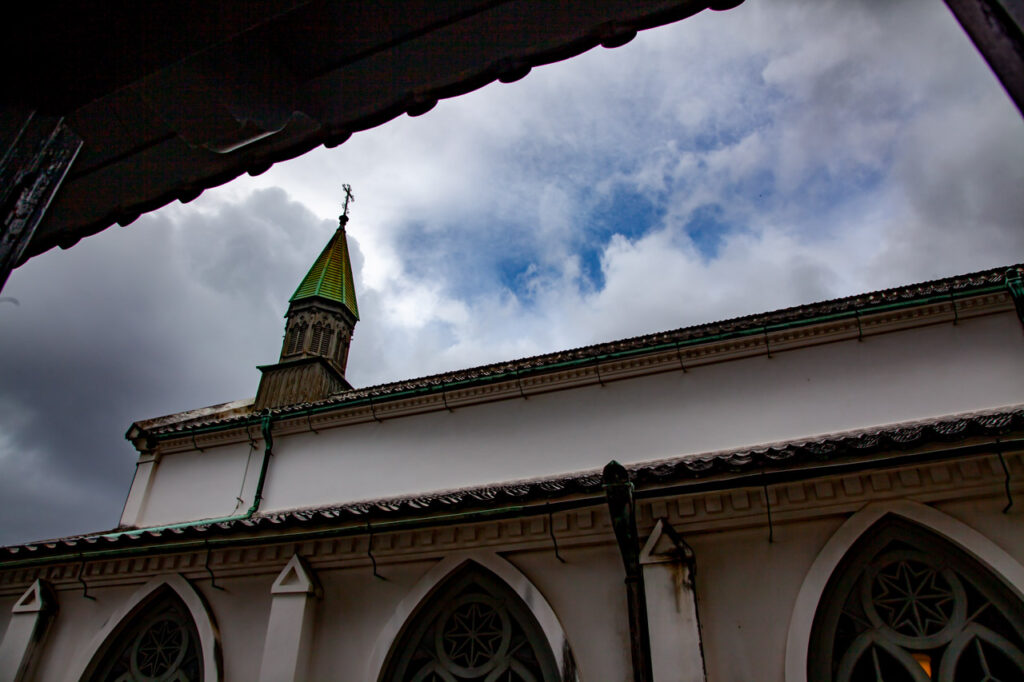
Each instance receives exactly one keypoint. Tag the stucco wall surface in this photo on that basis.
(200, 485)
(747, 588)
(914, 374)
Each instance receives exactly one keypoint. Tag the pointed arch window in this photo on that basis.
(341, 347)
(325, 343)
(298, 335)
(158, 642)
(472, 628)
(318, 333)
(905, 605)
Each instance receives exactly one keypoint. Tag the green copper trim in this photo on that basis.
(752, 480)
(331, 276)
(266, 424)
(600, 357)
(1016, 286)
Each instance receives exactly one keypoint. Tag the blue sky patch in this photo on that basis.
(706, 228)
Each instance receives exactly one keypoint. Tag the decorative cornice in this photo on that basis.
(858, 453)
(690, 514)
(791, 329)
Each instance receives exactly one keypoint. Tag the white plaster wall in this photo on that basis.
(921, 373)
(6, 604)
(915, 374)
(356, 606)
(746, 590)
(242, 610)
(201, 485)
(77, 620)
(747, 587)
(588, 594)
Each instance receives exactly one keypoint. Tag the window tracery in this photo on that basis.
(907, 606)
(158, 644)
(474, 628)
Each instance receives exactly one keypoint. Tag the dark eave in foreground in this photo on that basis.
(173, 97)
(953, 436)
(976, 283)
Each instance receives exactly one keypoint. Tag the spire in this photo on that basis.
(330, 277)
(321, 316)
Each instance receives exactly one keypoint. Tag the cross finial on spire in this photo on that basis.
(349, 198)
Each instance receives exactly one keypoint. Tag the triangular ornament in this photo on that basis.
(664, 545)
(295, 578)
(34, 599)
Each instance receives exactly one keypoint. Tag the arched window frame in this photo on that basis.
(198, 609)
(991, 557)
(298, 336)
(438, 575)
(318, 332)
(341, 346)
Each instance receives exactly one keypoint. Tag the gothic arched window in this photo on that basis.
(318, 332)
(325, 345)
(907, 606)
(473, 627)
(298, 336)
(159, 642)
(341, 347)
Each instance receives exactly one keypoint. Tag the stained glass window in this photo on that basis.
(473, 628)
(908, 606)
(157, 644)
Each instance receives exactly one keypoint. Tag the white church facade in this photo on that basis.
(833, 492)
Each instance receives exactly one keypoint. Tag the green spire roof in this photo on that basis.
(331, 276)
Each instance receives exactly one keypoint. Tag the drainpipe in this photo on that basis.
(619, 491)
(750, 480)
(268, 446)
(1016, 287)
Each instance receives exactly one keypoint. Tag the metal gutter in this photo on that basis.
(854, 312)
(268, 445)
(756, 479)
(618, 490)
(1016, 287)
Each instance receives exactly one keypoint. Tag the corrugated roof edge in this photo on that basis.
(650, 478)
(962, 285)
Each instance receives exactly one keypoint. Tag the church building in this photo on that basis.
(827, 493)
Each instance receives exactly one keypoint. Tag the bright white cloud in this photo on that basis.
(779, 153)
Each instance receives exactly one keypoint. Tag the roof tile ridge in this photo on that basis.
(739, 323)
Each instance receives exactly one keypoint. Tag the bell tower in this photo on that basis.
(321, 316)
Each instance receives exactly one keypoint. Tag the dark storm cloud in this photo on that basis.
(779, 153)
(134, 323)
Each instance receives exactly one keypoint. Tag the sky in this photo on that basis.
(781, 153)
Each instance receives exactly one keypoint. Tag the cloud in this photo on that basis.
(144, 321)
(783, 152)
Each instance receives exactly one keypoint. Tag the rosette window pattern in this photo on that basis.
(472, 628)
(908, 606)
(158, 643)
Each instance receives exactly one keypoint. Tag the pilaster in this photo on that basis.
(668, 566)
(290, 629)
(30, 617)
(131, 515)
